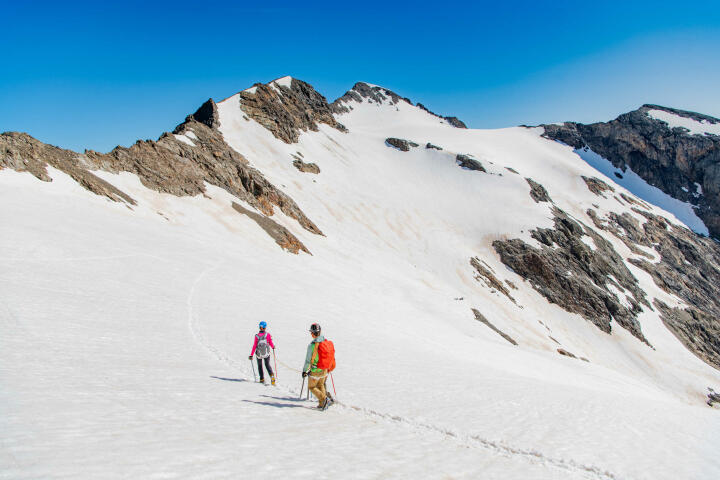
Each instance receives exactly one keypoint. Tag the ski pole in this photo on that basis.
(302, 386)
(275, 360)
(253, 367)
(333, 384)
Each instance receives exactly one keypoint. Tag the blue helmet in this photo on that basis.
(263, 324)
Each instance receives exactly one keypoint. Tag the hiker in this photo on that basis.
(261, 349)
(319, 362)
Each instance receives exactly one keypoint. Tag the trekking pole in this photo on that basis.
(253, 367)
(333, 384)
(301, 388)
(275, 360)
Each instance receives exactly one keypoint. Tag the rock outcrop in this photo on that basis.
(363, 92)
(21, 152)
(287, 111)
(179, 164)
(688, 267)
(582, 280)
(469, 163)
(482, 319)
(537, 191)
(400, 143)
(669, 158)
(306, 167)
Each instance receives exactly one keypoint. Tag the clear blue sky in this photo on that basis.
(94, 75)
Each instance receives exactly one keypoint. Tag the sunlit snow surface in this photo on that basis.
(695, 127)
(631, 181)
(125, 332)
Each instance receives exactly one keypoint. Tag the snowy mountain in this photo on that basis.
(502, 304)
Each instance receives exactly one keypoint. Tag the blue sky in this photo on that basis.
(91, 75)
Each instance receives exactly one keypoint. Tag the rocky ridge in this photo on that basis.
(287, 111)
(669, 158)
(178, 163)
(362, 91)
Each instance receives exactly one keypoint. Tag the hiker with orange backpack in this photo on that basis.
(319, 362)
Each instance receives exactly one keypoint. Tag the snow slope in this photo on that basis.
(127, 330)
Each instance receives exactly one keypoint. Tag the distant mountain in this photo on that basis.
(674, 150)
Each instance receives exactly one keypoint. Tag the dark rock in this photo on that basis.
(277, 232)
(670, 159)
(361, 91)
(481, 318)
(306, 167)
(538, 192)
(512, 170)
(486, 275)
(597, 186)
(23, 153)
(564, 352)
(171, 166)
(454, 121)
(689, 268)
(435, 147)
(400, 144)
(207, 114)
(713, 397)
(570, 274)
(286, 112)
(470, 163)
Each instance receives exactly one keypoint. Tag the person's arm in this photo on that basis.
(270, 342)
(308, 356)
(254, 347)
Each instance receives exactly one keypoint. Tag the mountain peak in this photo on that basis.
(369, 93)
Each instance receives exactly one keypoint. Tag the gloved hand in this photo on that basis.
(305, 374)
(250, 357)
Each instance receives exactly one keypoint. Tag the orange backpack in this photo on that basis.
(326, 355)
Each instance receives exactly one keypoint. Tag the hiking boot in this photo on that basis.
(272, 380)
(262, 380)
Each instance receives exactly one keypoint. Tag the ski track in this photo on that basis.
(467, 440)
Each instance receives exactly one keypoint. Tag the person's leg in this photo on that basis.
(268, 367)
(260, 369)
(316, 385)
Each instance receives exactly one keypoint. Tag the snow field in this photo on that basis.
(135, 337)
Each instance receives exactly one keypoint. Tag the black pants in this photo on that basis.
(267, 365)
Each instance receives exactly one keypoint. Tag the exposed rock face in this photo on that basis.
(486, 275)
(287, 112)
(597, 186)
(454, 121)
(470, 163)
(362, 92)
(538, 192)
(670, 159)
(306, 167)
(168, 165)
(689, 268)
(23, 153)
(570, 274)
(277, 232)
(431, 146)
(400, 144)
(713, 398)
(481, 318)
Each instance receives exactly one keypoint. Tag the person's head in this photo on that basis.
(315, 329)
(263, 326)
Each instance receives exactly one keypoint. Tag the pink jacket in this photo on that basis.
(269, 340)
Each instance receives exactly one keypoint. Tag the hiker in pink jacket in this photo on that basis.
(261, 349)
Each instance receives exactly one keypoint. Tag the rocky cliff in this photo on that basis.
(672, 158)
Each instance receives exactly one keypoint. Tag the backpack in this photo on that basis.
(263, 348)
(326, 355)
